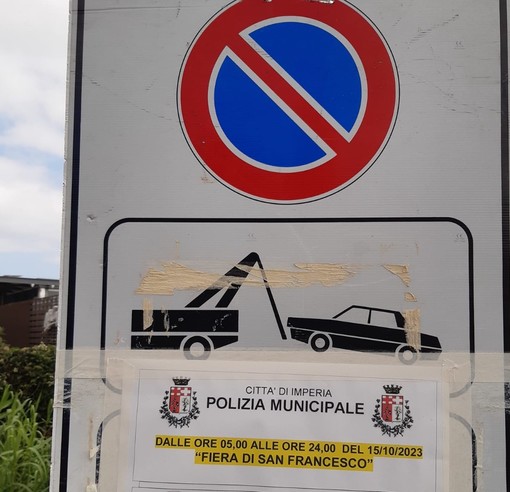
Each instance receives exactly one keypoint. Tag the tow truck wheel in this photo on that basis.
(196, 348)
(319, 342)
(407, 354)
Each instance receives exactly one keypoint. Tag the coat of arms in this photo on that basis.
(392, 413)
(180, 405)
(180, 400)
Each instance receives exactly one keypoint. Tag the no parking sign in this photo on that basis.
(289, 103)
(384, 126)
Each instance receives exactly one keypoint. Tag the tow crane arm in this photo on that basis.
(208, 328)
(232, 281)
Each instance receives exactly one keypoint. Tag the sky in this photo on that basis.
(33, 60)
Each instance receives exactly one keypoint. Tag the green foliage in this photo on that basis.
(30, 372)
(26, 400)
(24, 450)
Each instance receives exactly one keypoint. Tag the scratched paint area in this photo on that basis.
(410, 297)
(147, 313)
(174, 276)
(413, 327)
(401, 271)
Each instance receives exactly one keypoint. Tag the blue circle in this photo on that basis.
(319, 63)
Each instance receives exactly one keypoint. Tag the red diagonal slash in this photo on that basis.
(288, 94)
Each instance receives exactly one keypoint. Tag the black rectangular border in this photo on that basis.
(327, 220)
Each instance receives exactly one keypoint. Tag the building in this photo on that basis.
(25, 305)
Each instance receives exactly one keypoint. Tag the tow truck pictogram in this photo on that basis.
(195, 330)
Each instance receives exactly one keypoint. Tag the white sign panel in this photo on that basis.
(354, 266)
(272, 430)
(322, 177)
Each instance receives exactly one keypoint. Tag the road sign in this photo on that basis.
(288, 103)
(236, 297)
(164, 261)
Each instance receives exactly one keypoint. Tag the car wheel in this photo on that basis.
(407, 354)
(196, 348)
(319, 342)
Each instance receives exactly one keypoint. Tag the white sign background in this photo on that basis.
(141, 463)
(437, 252)
(127, 158)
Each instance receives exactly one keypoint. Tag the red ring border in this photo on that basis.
(300, 186)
